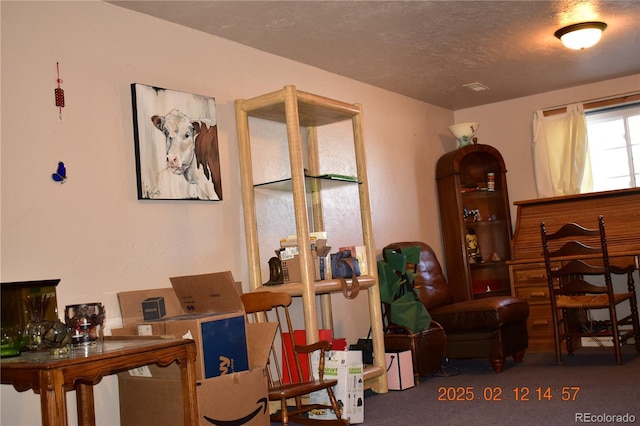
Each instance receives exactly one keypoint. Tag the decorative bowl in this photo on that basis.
(464, 132)
(13, 341)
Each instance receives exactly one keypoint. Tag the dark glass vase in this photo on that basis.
(34, 333)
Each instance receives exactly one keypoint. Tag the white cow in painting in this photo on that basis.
(192, 151)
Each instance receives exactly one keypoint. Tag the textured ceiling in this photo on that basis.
(427, 50)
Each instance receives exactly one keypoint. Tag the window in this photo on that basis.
(614, 146)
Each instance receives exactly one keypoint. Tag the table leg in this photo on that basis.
(53, 401)
(86, 409)
(189, 394)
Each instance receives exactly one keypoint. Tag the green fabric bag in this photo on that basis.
(410, 313)
(413, 256)
(412, 253)
(388, 282)
(396, 261)
(396, 290)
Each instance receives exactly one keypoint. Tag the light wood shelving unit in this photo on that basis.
(298, 110)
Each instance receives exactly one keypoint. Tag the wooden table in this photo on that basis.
(52, 376)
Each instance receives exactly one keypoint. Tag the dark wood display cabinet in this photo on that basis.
(475, 220)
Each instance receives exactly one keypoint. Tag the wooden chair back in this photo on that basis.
(581, 252)
(274, 307)
(287, 381)
(572, 254)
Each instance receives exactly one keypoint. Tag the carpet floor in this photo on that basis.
(588, 388)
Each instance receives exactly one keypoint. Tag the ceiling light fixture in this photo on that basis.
(582, 35)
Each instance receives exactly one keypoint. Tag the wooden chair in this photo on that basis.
(273, 307)
(571, 254)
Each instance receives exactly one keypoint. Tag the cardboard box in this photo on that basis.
(131, 330)
(206, 308)
(347, 368)
(151, 329)
(221, 341)
(290, 268)
(151, 395)
(153, 308)
(213, 315)
(596, 341)
(131, 302)
(288, 255)
(399, 370)
(131, 305)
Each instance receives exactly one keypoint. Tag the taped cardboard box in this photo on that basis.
(131, 304)
(151, 395)
(213, 315)
(220, 341)
(209, 311)
(288, 255)
(151, 329)
(132, 307)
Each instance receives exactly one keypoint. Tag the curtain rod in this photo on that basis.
(596, 103)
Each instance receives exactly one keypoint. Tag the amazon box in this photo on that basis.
(151, 395)
(213, 316)
(206, 308)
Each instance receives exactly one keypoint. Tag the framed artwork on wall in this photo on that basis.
(176, 145)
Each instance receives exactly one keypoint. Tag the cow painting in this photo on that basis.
(192, 151)
(177, 153)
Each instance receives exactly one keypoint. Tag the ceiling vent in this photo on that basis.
(476, 87)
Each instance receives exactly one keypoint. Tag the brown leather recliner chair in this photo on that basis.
(492, 328)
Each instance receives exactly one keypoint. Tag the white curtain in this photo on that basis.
(562, 165)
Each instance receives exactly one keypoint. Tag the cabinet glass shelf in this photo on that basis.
(326, 182)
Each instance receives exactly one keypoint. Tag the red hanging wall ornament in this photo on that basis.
(59, 93)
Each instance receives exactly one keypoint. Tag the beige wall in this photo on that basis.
(507, 126)
(99, 239)
(92, 232)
